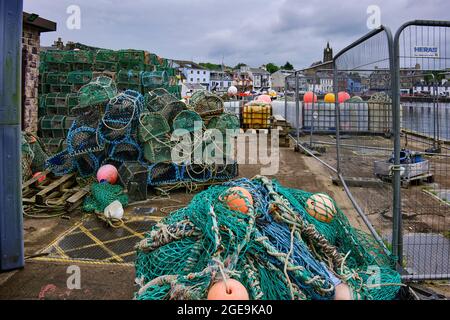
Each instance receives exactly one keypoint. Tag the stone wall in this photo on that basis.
(31, 48)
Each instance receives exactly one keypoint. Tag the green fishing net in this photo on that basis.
(276, 249)
(102, 195)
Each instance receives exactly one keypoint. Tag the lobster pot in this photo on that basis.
(79, 77)
(61, 163)
(188, 120)
(109, 56)
(224, 172)
(158, 61)
(125, 151)
(171, 110)
(163, 173)
(152, 125)
(111, 67)
(55, 126)
(121, 116)
(54, 56)
(98, 91)
(226, 121)
(83, 139)
(133, 176)
(115, 131)
(132, 57)
(86, 117)
(55, 104)
(54, 145)
(157, 99)
(206, 103)
(257, 116)
(87, 164)
(55, 78)
(158, 150)
(80, 57)
(130, 77)
(196, 173)
(154, 79)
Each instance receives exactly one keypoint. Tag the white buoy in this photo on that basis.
(232, 91)
(114, 210)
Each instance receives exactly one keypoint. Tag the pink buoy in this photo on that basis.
(309, 97)
(264, 98)
(107, 173)
(343, 96)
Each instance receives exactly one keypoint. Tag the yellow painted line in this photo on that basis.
(96, 244)
(61, 236)
(96, 240)
(123, 255)
(61, 251)
(139, 235)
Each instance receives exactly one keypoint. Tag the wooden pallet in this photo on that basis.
(54, 192)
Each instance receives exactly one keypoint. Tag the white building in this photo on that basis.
(253, 79)
(220, 81)
(194, 73)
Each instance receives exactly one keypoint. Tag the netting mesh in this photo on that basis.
(276, 250)
(99, 91)
(102, 195)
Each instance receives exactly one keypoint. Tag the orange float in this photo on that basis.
(238, 198)
(40, 175)
(309, 97)
(343, 96)
(329, 98)
(236, 291)
(107, 173)
(321, 207)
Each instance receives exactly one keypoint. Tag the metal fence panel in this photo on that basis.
(422, 68)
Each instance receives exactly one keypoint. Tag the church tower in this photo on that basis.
(327, 53)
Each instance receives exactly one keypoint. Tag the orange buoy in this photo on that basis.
(236, 291)
(321, 207)
(309, 97)
(40, 175)
(238, 198)
(107, 173)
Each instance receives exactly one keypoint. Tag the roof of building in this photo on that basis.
(189, 64)
(259, 70)
(194, 86)
(43, 25)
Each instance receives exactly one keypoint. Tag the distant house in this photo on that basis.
(193, 73)
(354, 84)
(251, 79)
(188, 89)
(279, 79)
(220, 81)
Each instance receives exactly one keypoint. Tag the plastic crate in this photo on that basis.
(133, 176)
(79, 77)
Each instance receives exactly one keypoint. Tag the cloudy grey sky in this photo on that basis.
(250, 31)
